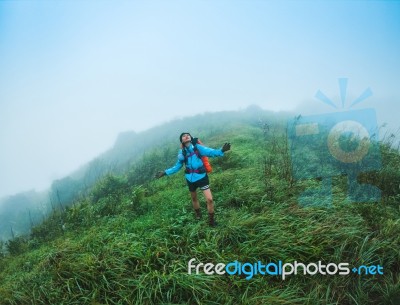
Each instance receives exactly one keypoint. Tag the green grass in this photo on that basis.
(130, 244)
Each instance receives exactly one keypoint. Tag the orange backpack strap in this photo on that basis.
(205, 160)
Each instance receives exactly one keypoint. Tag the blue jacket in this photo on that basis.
(193, 162)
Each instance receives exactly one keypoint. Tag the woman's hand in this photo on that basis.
(160, 174)
(226, 147)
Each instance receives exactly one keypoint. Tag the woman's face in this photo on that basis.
(186, 138)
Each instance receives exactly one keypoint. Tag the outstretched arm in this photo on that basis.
(178, 165)
(170, 171)
(210, 152)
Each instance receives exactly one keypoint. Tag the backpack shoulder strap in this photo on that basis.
(184, 153)
(197, 151)
(196, 141)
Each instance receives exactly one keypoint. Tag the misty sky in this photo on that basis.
(73, 74)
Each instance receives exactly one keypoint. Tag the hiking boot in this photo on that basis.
(198, 214)
(211, 220)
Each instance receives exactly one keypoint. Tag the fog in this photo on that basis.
(74, 74)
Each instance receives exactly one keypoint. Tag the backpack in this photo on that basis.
(204, 159)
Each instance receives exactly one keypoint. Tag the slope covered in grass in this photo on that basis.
(130, 241)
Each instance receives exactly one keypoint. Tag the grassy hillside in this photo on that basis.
(130, 240)
(20, 212)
